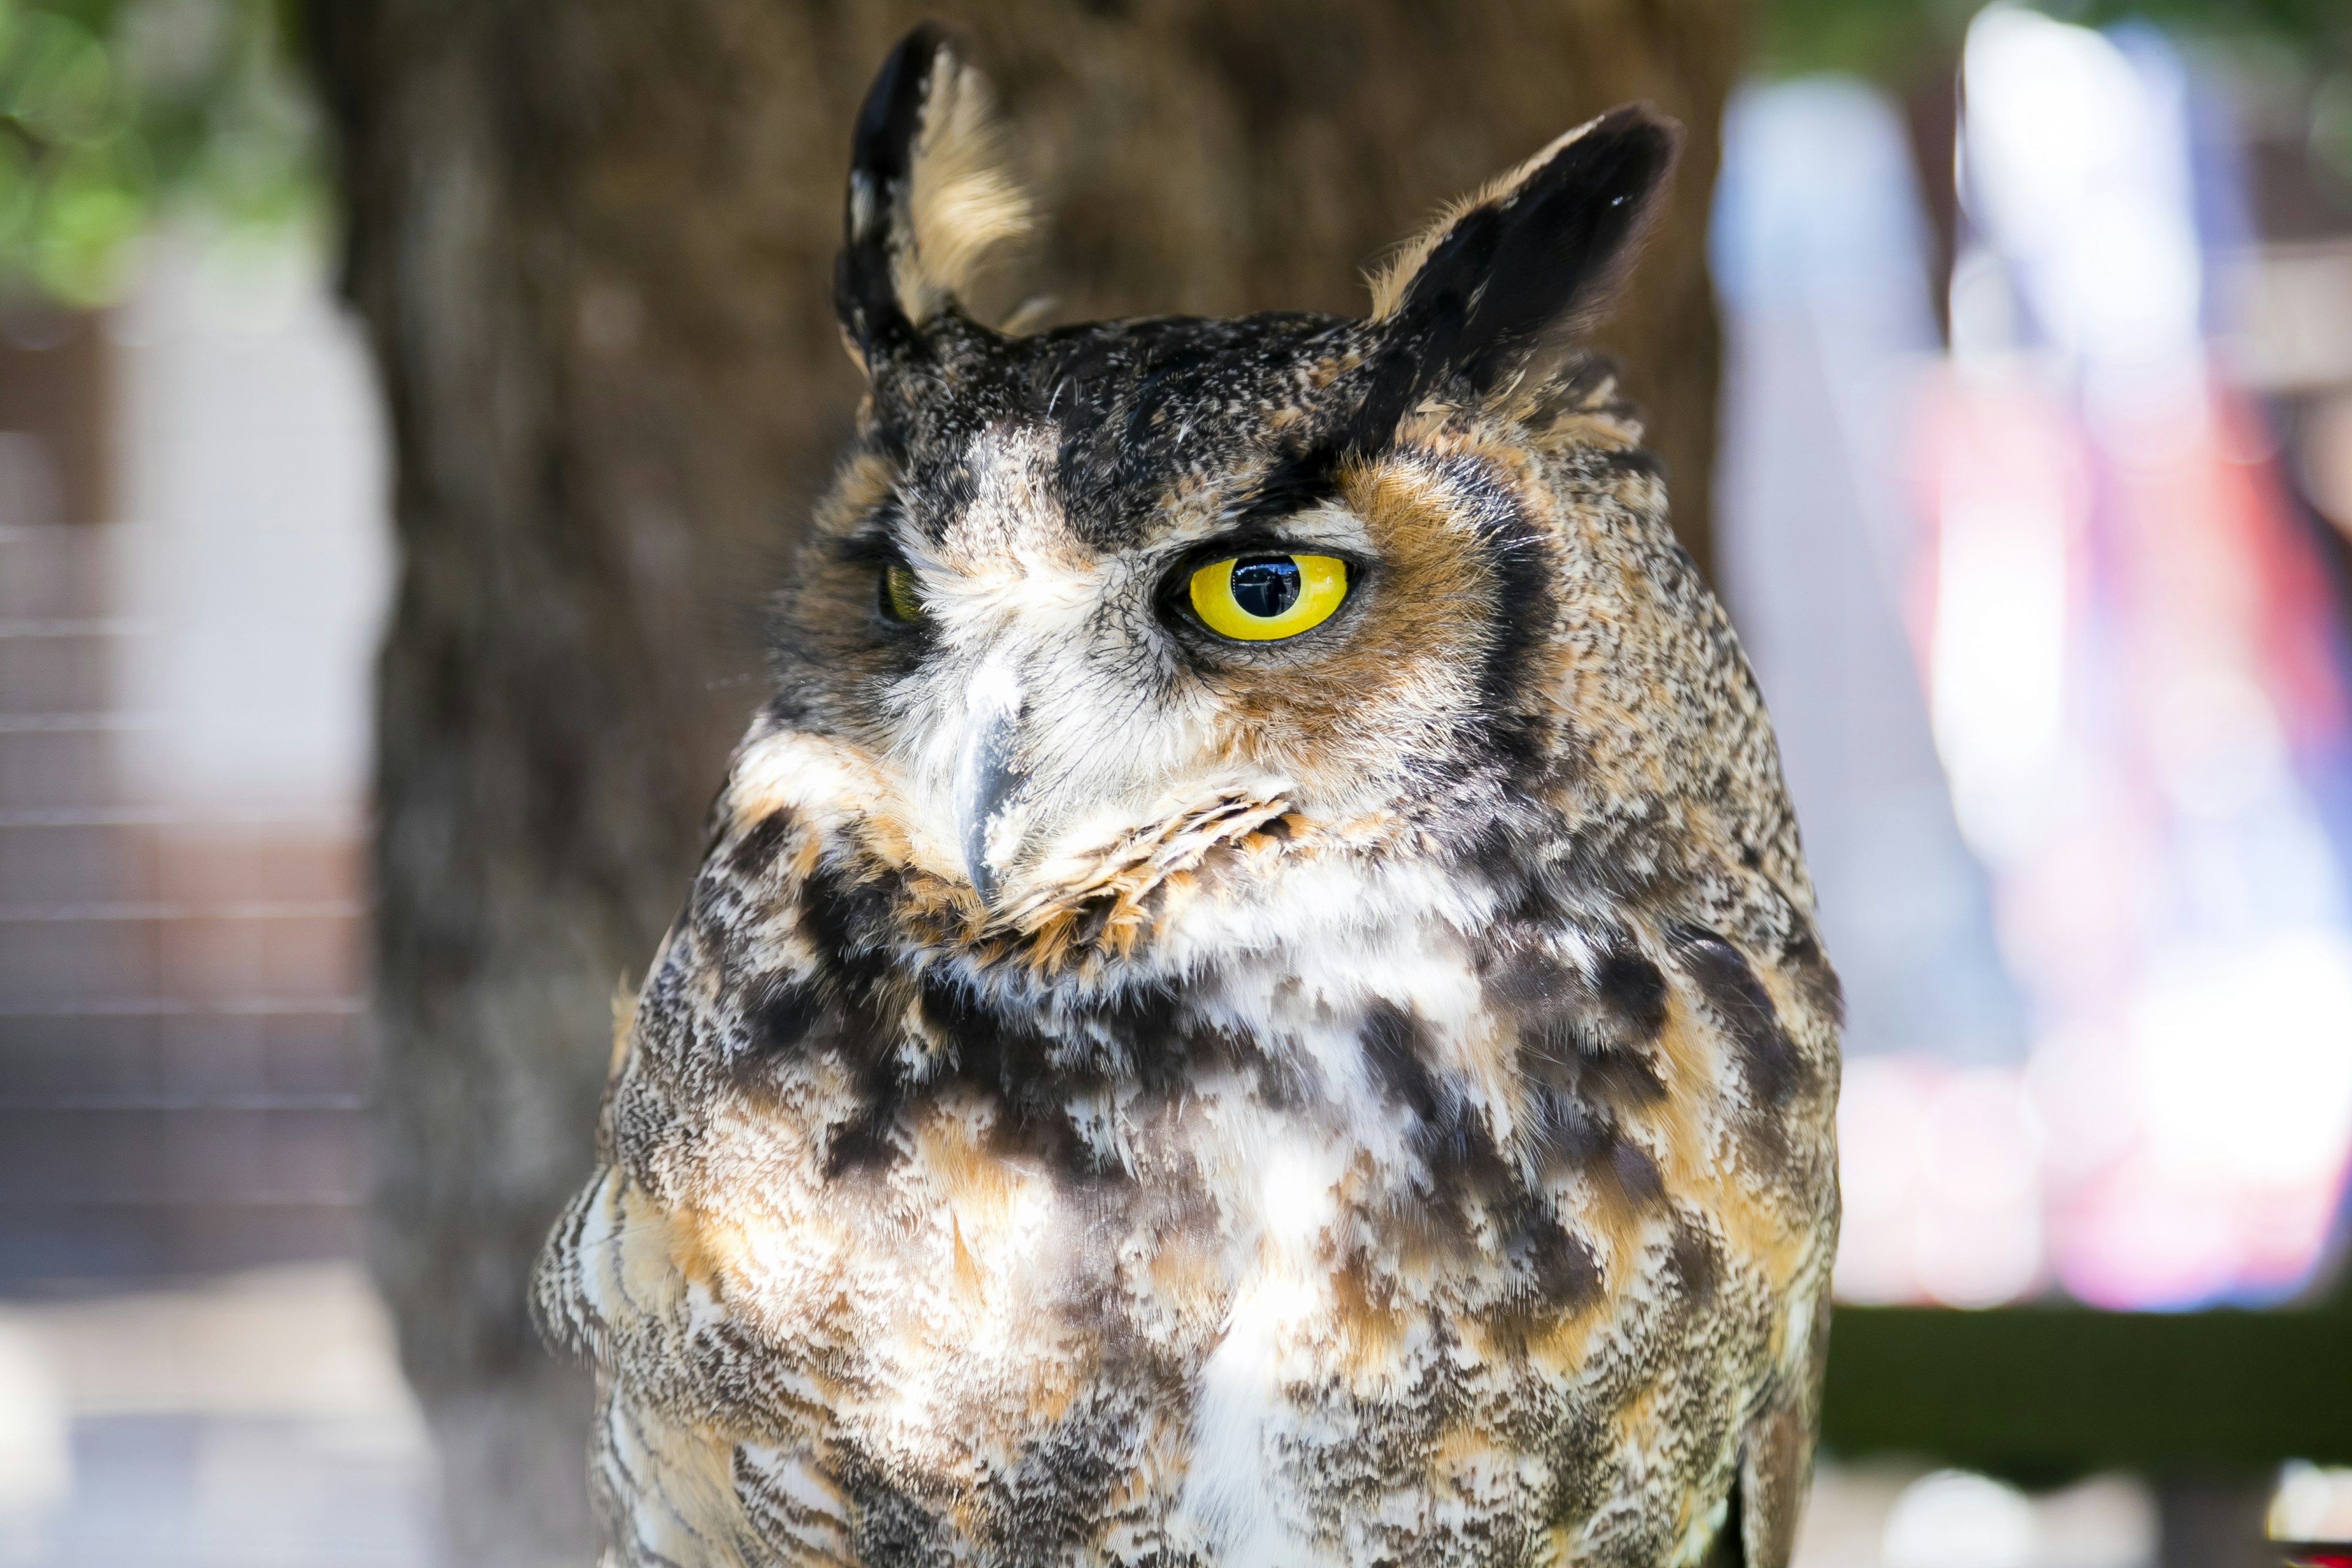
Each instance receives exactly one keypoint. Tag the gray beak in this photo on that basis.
(988, 775)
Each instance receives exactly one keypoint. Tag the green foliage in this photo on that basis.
(1897, 42)
(2043, 1394)
(1888, 39)
(112, 112)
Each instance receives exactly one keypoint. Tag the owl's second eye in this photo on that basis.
(1264, 599)
(902, 600)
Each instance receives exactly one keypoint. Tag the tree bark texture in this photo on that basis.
(592, 241)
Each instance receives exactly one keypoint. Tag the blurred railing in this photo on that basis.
(181, 1065)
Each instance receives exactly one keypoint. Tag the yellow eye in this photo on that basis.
(900, 601)
(1264, 599)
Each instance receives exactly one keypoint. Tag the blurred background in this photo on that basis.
(405, 403)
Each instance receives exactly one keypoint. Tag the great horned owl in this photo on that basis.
(1253, 999)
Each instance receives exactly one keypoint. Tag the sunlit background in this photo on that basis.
(2074, 753)
(2036, 489)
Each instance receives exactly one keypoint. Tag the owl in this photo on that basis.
(1253, 1000)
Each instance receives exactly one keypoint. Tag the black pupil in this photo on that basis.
(1266, 586)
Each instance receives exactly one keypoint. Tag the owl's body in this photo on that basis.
(1121, 1094)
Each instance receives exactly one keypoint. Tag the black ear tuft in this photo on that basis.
(929, 198)
(1509, 278)
(881, 167)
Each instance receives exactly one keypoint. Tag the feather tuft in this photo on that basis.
(965, 208)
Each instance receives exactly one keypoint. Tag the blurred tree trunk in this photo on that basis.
(592, 241)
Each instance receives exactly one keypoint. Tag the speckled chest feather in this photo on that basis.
(1119, 1094)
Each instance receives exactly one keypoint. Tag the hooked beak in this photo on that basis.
(988, 775)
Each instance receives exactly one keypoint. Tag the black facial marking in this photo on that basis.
(1075, 383)
(1515, 732)
(1171, 383)
(1301, 479)
(1137, 405)
(1392, 380)
(1722, 975)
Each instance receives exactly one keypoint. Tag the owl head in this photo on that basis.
(1094, 599)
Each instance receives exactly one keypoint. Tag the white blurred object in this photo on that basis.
(1845, 1522)
(2131, 661)
(36, 1450)
(1999, 657)
(1955, 1519)
(2289, 313)
(2106, 1521)
(252, 453)
(304, 1341)
(2098, 841)
(2312, 1503)
(1884, 1516)
(258, 1420)
(1882, 1105)
(2281, 1115)
(1983, 308)
(2077, 162)
(1819, 246)
(1941, 1171)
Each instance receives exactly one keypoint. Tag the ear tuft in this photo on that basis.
(968, 206)
(1511, 276)
(931, 200)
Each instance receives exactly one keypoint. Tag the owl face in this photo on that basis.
(1083, 588)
